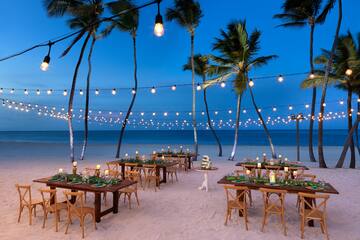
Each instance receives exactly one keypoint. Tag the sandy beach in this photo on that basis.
(178, 211)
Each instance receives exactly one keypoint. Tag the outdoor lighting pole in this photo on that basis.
(297, 118)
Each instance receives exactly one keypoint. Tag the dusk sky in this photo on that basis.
(160, 61)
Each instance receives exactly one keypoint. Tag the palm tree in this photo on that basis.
(128, 22)
(322, 162)
(187, 13)
(299, 13)
(237, 57)
(201, 64)
(84, 15)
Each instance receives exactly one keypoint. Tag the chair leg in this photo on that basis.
(82, 221)
(20, 211)
(129, 199)
(246, 220)
(176, 177)
(283, 223)
(94, 221)
(325, 229)
(137, 199)
(264, 222)
(30, 215)
(226, 216)
(302, 226)
(45, 218)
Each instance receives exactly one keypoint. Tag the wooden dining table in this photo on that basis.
(114, 189)
(328, 189)
(188, 157)
(159, 166)
(263, 165)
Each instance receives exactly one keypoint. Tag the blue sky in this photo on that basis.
(160, 62)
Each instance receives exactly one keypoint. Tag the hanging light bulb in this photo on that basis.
(159, 26)
(65, 92)
(81, 92)
(198, 87)
(133, 91)
(290, 107)
(12, 91)
(222, 84)
(173, 87)
(348, 72)
(1, 90)
(44, 66)
(312, 76)
(251, 83)
(49, 92)
(153, 90)
(37, 91)
(113, 91)
(97, 92)
(26, 92)
(280, 78)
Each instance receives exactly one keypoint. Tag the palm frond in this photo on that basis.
(187, 13)
(73, 42)
(328, 6)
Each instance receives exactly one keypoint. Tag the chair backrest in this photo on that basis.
(114, 173)
(274, 199)
(307, 201)
(236, 194)
(130, 166)
(24, 194)
(149, 169)
(47, 196)
(77, 206)
(90, 171)
(113, 166)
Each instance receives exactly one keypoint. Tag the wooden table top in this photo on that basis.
(85, 186)
(291, 189)
(165, 164)
(254, 165)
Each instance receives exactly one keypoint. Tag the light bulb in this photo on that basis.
(49, 92)
(348, 72)
(222, 84)
(113, 92)
(251, 83)
(12, 90)
(65, 92)
(81, 92)
(280, 78)
(37, 91)
(153, 90)
(45, 63)
(312, 76)
(26, 92)
(198, 87)
(173, 87)
(97, 92)
(159, 29)
(133, 91)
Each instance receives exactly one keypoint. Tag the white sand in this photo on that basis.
(179, 210)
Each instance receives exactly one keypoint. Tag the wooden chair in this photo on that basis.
(276, 169)
(134, 167)
(236, 200)
(309, 211)
(27, 201)
(131, 190)
(112, 174)
(172, 171)
(51, 206)
(274, 206)
(239, 172)
(150, 176)
(305, 177)
(183, 164)
(78, 210)
(113, 166)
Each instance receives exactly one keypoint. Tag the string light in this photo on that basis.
(26, 92)
(65, 92)
(1, 90)
(159, 26)
(198, 87)
(312, 76)
(113, 91)
(222, 84)
(44, 66)
(97, 92)
(49, 92)
(37, 91)
(12, 91)
(290, 107)
(348, 72)
(133, 91)
(81, 92)
(173, 87)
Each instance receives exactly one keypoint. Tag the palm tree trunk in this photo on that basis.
(209, 121)
(352, 147)
(71, 98)
(313, 100)
(357, 129)
(341, 160)
(322, 163)
(86, 128)
(193, 97)
(123, 126)
(238, 108)
(273, 153)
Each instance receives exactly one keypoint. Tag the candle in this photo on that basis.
(74, 164)
(154, 152)
(181, 147)
(60, 170)
(257, 158)
(286, 159)
(259, 165)
(162, 157)
(280, 156)
(168, 147)
(126, 155)
(272, 177)
(295, 174)
(286, 169)
(248, 172)
(106, 172)
(162, 150)
(143, 157)
(136, 152)
(264, 154)
(98, 166)
(271, 163)
(188, 150)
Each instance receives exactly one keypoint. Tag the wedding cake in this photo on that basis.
(206, 162)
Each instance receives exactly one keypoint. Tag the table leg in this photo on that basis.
(189, 162)
(311, 222)
(115, 202)
(157, 173)
(52, 200)
(164, 175)
(123, 171)
(97, 207)
(73, 198)
(205, 183)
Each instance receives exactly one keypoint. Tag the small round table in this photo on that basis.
(205, 183)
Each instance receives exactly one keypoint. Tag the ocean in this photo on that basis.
(246, 137)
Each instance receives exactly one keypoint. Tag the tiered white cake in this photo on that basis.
(206, 162)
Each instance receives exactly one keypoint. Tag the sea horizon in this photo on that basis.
(332, 137)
